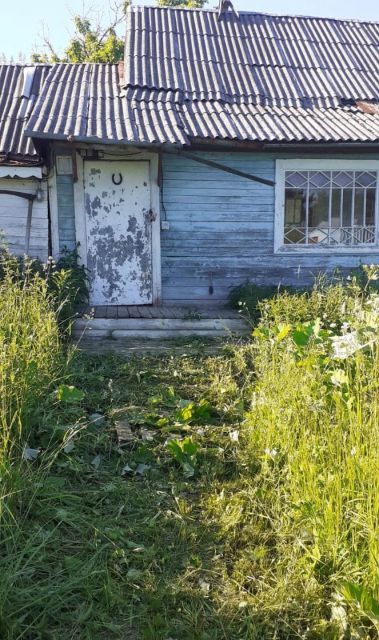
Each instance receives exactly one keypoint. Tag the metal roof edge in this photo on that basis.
(37, 135)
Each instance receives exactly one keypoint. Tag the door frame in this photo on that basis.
(80, 215)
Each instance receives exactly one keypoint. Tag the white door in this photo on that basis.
(118, 227)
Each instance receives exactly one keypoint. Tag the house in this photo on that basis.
(228, 146)
(23, 183)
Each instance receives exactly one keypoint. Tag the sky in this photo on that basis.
(23, 21)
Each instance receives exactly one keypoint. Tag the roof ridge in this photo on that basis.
(140, 8)
(21, 65)
(50, 65)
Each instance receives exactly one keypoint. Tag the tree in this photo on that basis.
(91, 41)
(188, 4)
(94, 42)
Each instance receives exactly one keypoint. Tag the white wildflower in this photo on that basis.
(271, 452)
(345, 345)
(204, 586)
(339, 378)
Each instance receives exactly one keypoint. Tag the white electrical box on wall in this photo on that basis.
(165, 225)
(64, 165)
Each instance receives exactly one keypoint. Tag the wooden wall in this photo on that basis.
(13, 215)
(222, 231)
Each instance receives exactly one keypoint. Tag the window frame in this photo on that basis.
(319, 164)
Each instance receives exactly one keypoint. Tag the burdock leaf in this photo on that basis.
(69, 394)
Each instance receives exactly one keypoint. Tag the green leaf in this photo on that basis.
(300, 337)
(175, 449)
(184, 452)
(188, 470)
(69, 394)
(363, 598)
(283, 332)
(191, 411)
(189, 447)
(185, 414)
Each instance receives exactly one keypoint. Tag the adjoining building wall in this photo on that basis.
(218, 230)
(13, 217)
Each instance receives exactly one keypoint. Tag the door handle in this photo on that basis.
(150, 216)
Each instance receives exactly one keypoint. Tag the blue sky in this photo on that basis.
(23, 20)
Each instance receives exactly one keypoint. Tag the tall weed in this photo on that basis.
(310, 457)
(31, 363)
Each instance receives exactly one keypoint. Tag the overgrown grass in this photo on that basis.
(243, 503)
(33, 364)
(66, 281)
(29, 356)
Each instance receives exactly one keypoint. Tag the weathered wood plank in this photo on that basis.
(159, 324)
(111, 312)
(123, 312)
(13, 218)
(134, 312)
(166, 334)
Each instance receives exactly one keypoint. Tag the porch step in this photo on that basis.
(158, 328)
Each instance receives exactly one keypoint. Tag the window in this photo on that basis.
(64, 165)
(327, 205)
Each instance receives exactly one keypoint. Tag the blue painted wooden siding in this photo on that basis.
(66, 212)
(222, 231)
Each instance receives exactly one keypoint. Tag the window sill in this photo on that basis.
(327, 250)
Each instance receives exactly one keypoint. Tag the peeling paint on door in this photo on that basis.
(118, 232)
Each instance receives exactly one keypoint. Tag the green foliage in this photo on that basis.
(192, 412)
(29, 353)
(185, 453)
(68, 284)
(94, 42)
(310, 441)
(248, 296)
(183, 4)
(69, 393)
(91, 45)
(324, 299)
(91, 42)
(363, 599)
(66, 281)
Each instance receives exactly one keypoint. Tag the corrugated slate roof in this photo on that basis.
(87, 102)
(19, 88)
(254, 58)
(254, 77)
